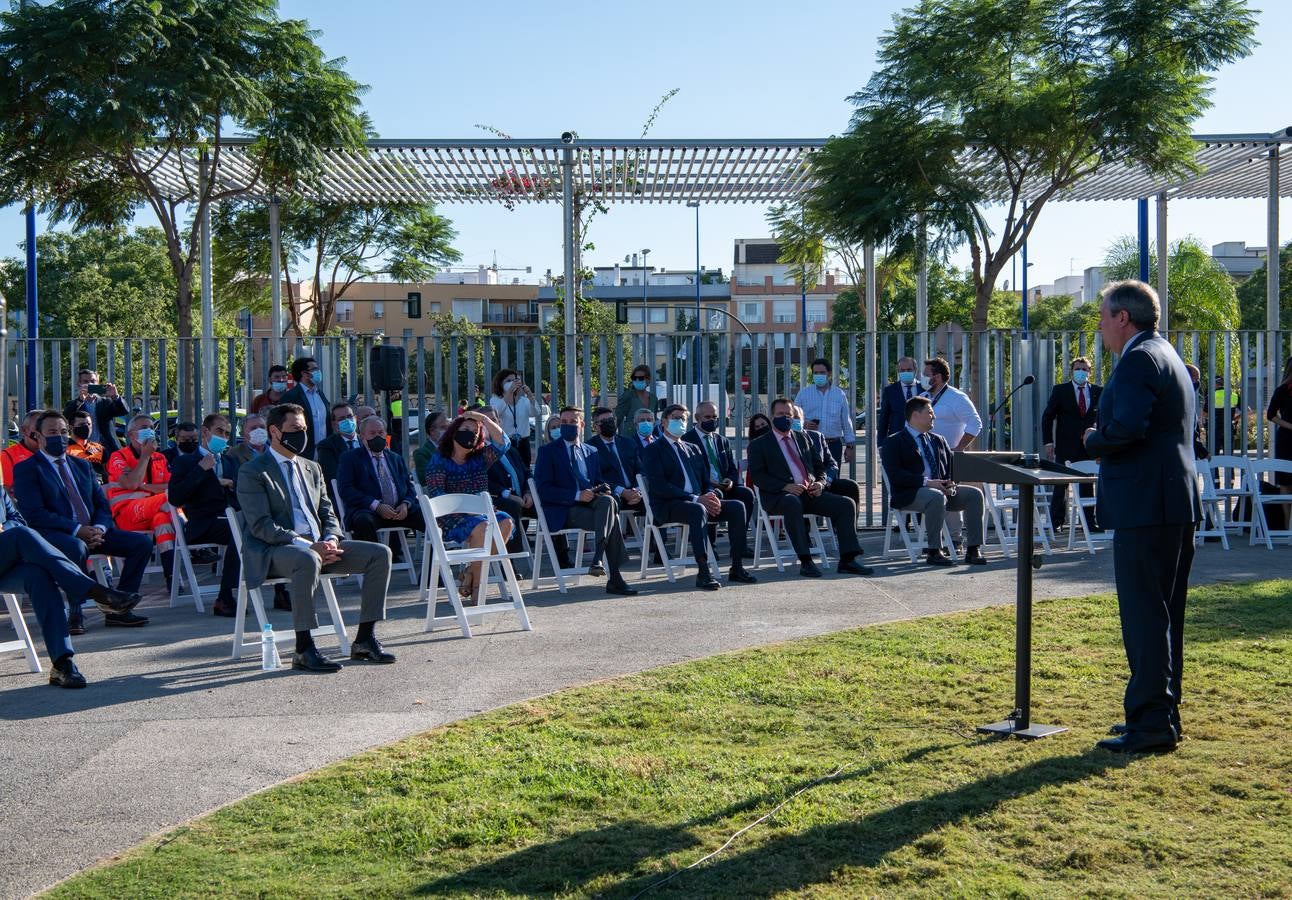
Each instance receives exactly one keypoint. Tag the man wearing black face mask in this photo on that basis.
(724, 474)
(375, 487)
(292, 532)
(619, 459)
(81, 447)
(186, 441)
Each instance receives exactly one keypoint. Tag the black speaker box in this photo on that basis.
(386, 367)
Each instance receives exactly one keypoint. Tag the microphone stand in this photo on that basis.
(991, 416)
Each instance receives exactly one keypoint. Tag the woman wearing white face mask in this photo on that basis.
(513, 401)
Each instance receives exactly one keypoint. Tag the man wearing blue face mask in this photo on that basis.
(1072, 408)
(203, 484)
(644, 430)
(827, 403)
(343, 439)
(892, 405)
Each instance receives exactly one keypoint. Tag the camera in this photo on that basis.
(602, 488)
(567, 137)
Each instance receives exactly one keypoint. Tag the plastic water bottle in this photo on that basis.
(269, 659)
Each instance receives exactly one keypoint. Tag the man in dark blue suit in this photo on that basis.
(375, 486)
(59, 496)
(724, 474)
(202, 485)
(308, 395)
(917, 462)
(619, 460)
(677, 477)
(1148, 495)
(835, 483)
(575, 494)
(30, 564)
(892, 404)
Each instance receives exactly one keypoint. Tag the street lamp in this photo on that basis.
(699, 375)
(645, 302)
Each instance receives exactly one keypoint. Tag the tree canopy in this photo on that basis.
(1251, 294)
(1200, 294)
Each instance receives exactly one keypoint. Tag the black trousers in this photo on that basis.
(601, 517)
(688, 512)
(365, 522)
(1152, 567)
(841, 512)
(745, 497)
(216, 531)
(1059, 505)
(846, 487)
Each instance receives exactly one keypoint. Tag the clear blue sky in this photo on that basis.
(748, 69)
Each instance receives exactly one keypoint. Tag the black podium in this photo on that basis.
(1026, 472)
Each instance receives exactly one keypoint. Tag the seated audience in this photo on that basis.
(255, 440)
(834, 484)
(81, 446)
(644, 428)
(471, 445)
(203, 485)
(343, 439)
(575, 494)
(677, 476)
(620, 462)
(60, 498)
(28, 443)
(187, 440)
(432, 431)
(509, 482)
(292, 533)
(137, 479)
(31, 565)
(790, 476)
(724, 476)
(375, 486)
(917, 462)
(273, 395)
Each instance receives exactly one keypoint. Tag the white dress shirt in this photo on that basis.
(305, 524)
(954, 415)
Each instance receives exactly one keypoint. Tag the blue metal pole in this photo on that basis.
(1024, 307)
(1143, 239)
(33, 310)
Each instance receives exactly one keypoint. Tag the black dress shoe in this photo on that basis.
(313, 661)
(76, 626)
(1120, 728)
(738, 575)
(370, 651)
(124, 620)
(937, 558)
(706, 582)
(809, 570)
(64, 674)
(111, 600)
(617, 585)
(852, 567)
(975, 558)
(225, 610)
(1140, 742)
(597, 570)
(748, 554)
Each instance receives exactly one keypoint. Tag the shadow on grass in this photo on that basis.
(1238, 610)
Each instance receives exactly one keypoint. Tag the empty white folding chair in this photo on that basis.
(383, 536)
(493, 556)
(911, 530)
(997, 510)
(543, 544)
(1257, 469)
(1213, 515)
(255, 595)
(182, 570)
(1079, 506)
(23, 644)
(1234, 488)
(654, 534)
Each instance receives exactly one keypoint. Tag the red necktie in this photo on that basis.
(1081, 401)
(800, 473)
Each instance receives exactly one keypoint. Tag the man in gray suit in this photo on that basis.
(292, 533)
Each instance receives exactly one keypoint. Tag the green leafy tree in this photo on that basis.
(1201, 295)
(1252, 294)
(596, 319)
(982, 102)
(102, 100)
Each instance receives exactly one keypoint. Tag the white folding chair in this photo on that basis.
(286, 635)
(654, 532)
(24, 642)
(775, 532)
(908, 521)
(998, 510)
(1257, 468)
(383, 537)
(182, 568)
(1077, 507)
(492, 554)
(1212, 507)
(1233, 482)
(543, 543)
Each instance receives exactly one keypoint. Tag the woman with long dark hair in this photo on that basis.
(513, 401)
(640, 394)
(759, 425)
(471, 444)
(1280, 413)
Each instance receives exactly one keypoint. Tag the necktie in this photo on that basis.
(219, 466)
(387, 483)
(909, 391)
(576, 465)
(623, 473)
(1081, 401)
(681, 461)
(713, 454)
(296, 488)
(78, 504)
(926, 449)
(796, 461)
(511, 473)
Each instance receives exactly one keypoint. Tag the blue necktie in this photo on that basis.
(579, 478)
(623, 473)
(927, 450)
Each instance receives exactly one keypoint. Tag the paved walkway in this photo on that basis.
(171, 727)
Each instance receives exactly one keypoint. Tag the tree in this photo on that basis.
(596, 319)
(339, 243)
(1252, 294)
(987, 101)
(123, 93)
(1200, 293)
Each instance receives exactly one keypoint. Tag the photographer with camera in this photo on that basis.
(103, 404)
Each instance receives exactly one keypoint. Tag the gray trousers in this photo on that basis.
(601, 517)
(934, 506)
(301, 566)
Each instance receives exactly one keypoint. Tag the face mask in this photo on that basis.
(820, 380)
(508, 385)
(925, 382)
(796, 425)
(555, 434)
(645, 429)
(607, 428)
(760, 430)
(82, 432)
(258, 437)
(295, 441)
(278, 387)
(676, 427)
(55, 444)
(709, 425)
(569, 432)
(1080, 377)
(145, 435)
(782, 423)
(345, 426)
(186, 446)
(217, 444)
(906, 377)
(377, 442)
(316, 378)
(639, 384)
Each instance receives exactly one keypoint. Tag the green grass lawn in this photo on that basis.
(607, 789)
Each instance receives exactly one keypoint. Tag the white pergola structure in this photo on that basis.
(569, 169)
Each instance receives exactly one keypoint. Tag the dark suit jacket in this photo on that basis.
(663, 471)
(768, 470)
(556, 482)
(297, 395)
(627, 449)
(1062, 410)
(267, 510)
(198, 490)
(356, 481)
(904, 464)
(831, 465)
(44, 503)
(726, 459)
(1144, 441)
(103, 412)
(329, 452)
(500, 481)
(892, 408)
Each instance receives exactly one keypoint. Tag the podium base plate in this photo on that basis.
(1010, 727)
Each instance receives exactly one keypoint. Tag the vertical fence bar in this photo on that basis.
(163, 383)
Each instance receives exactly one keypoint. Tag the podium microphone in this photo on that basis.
(1010, 396)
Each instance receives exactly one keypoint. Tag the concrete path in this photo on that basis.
(171, 727)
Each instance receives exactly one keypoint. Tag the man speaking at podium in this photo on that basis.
(1148, 495)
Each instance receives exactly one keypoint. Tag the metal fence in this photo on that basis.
(741, 373)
